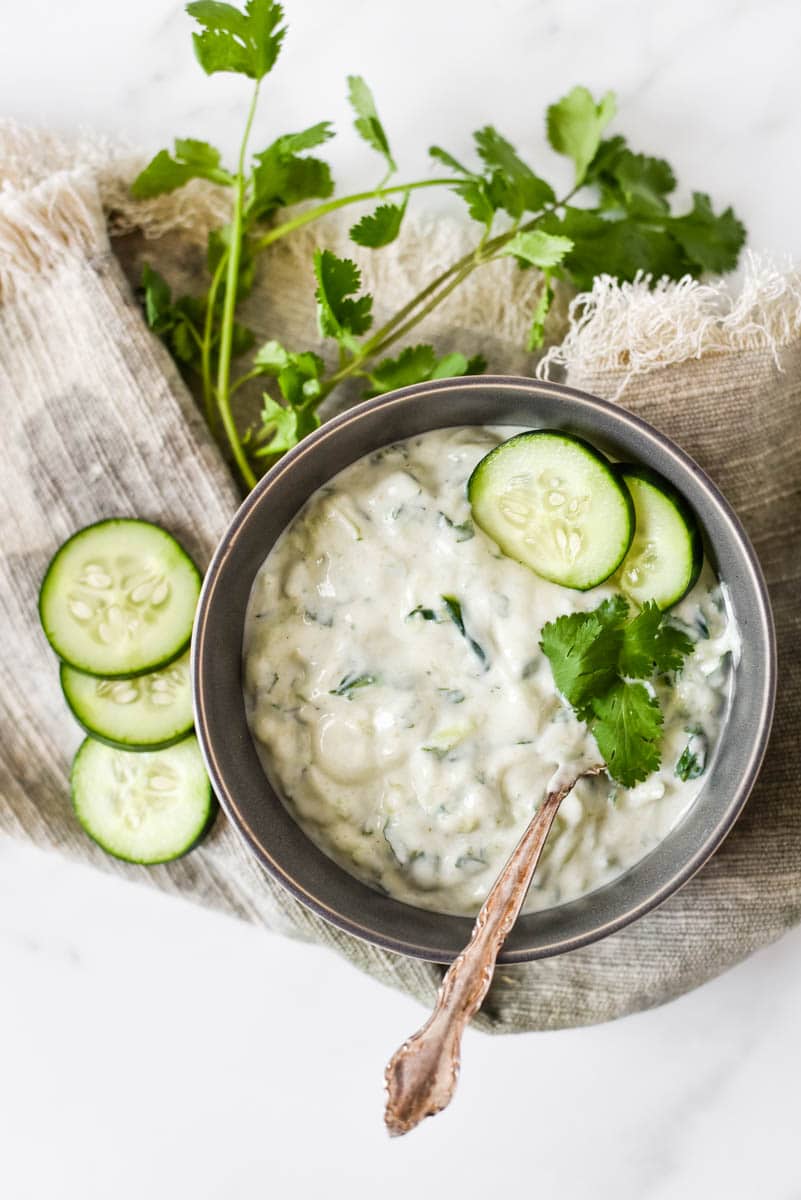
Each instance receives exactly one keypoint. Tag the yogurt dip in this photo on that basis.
(404, 712)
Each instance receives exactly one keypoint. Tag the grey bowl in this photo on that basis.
(230, 755)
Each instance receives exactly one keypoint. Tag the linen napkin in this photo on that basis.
(98, 423)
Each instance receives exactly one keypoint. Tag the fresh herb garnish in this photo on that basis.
(454, 611)
(692, 761)
(464, 531)
(597, 659)
(350, 683)
(427, 614)
(621, 224)
(688, 766)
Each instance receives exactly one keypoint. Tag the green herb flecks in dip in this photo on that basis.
(413, 759)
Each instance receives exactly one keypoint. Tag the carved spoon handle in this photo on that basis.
(421, 1076)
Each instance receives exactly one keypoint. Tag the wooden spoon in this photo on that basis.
(421, 1076)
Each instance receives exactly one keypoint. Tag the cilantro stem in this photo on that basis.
(389, 331)
(405, 319)
(246, 40)
(243, 379)
(420, 298)
(321, 210)
(384, 339)
(208, 336)
(229, 307)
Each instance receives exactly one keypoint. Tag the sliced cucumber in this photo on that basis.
(144, 808)
(119, 599)
(667, 553)
(148, 712)
(553, 502)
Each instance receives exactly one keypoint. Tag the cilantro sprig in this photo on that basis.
(601, 662)
(615, 218)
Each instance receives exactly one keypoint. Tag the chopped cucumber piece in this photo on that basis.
(666, 554)
(145, 808)
(119, 599)
(553, 502)
(148, 712)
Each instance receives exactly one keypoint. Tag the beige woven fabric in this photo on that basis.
(97, 423)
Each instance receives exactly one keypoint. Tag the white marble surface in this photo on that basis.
(153, 1049)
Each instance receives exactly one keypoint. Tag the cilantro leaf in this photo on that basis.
(644, 181)
(307, 139)
(191, 159)
(453, 608)
(283, 175)
(449, 161)
(509, 183)
(692, 760)
(299, 381)
(349, 683)
(413, 365)
(367, 123)
(671, 647)
(711, 243)
(176, 322)
(593, 657)
(455, 365)
(621, 248)
(637, 651)
(687, 766)
(575, 124)
(633, 231)
(340, 315)
(247, 43)
(381, 227)
(627, 725)
(536, 330)
(601, 168)
(538, 249)
(472, 188)
(476, 196)
(636, 183)
(512, 185)
(613, 611)
(651, 643)
(417, 364)
(283, 426)
(582, 651)
(280, 424)
(157, 298)
(272, 357)
(298, 375)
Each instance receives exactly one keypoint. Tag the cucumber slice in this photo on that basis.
(119, 599)
(148, 712)
(553, 502)
(667, 553)
(144, 808)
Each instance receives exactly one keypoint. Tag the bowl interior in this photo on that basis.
(230, 754)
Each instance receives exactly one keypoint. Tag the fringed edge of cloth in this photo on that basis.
(631, 329)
